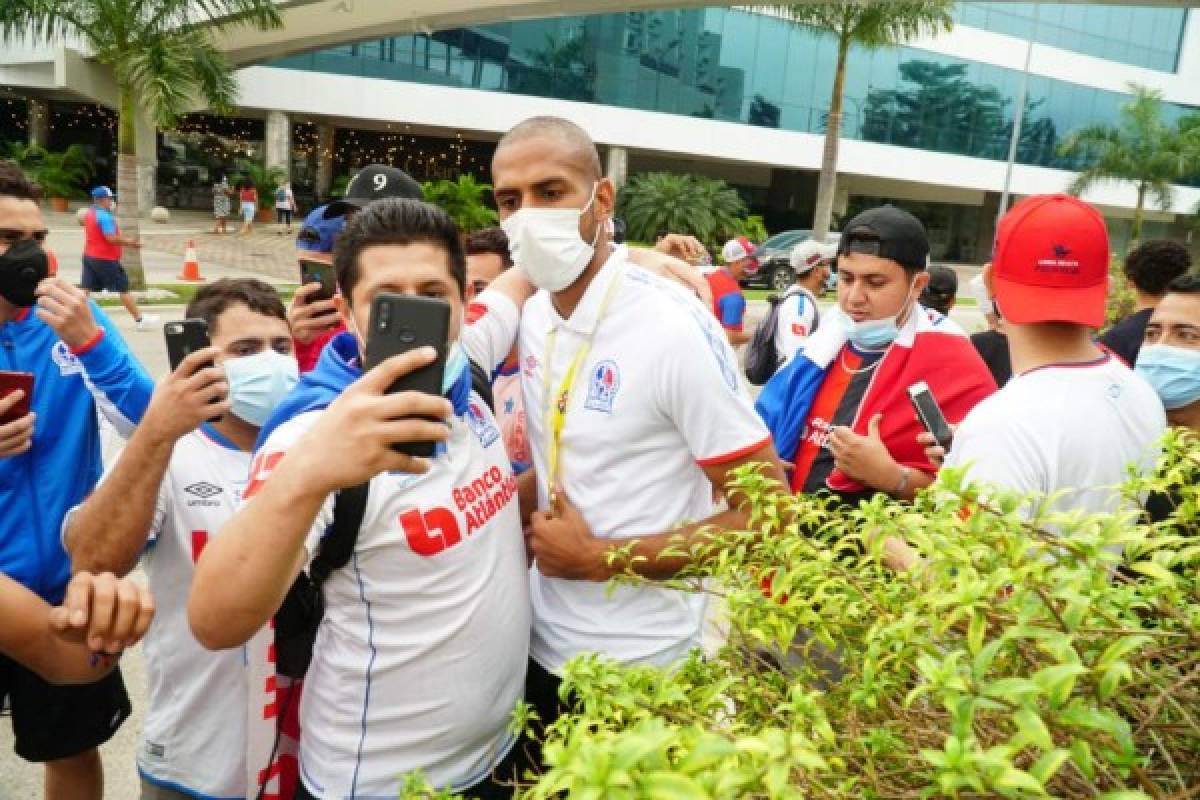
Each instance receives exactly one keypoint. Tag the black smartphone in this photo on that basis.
(184, 338)
(318, 272)
(399, 323)
(929, 413)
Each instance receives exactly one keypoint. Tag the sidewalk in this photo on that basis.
(263, 254)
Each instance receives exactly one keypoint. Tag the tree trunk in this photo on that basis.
(127, 189)
(1135, 235)
(827, 183)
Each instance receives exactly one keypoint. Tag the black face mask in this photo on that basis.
(22, 268)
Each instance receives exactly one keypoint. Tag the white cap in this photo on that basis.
(810, 253)
(737, 249)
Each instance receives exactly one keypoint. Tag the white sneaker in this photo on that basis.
(148, 322)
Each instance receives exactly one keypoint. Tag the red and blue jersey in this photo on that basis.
(729, 304)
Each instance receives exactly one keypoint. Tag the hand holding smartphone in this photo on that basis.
(184, 338)
(930, 414)
(11, 382)
(318, 272)
(400, 323)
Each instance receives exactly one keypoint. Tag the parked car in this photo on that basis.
(774, 261)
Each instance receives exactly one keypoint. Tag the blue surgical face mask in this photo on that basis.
(874, 334)
(258, 383)
(1174, 372)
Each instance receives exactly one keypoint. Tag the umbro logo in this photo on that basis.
(204, 490)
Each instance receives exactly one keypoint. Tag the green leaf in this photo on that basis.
(1121, 648)
(976, 630)
(1058, 681)
(1081, 757)
(1156, 571)
(1032, 729)
(1048, 765)
(1014, 690)
(1015, 781)
(671, 786)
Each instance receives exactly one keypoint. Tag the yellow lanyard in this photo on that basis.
(556, 404)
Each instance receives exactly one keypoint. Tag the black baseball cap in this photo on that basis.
(887, 232)
(375, 182)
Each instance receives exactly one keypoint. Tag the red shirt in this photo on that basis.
(729, 304)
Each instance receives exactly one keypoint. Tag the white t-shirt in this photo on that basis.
(657, 396)
(420, 658)
(796, 321)
(194, 734)
(1074, 427)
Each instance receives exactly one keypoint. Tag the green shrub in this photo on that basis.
(1032, 654)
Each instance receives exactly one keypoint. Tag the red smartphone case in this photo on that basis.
(9, 383)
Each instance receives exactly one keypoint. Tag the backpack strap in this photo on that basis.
(337, 546)
(481, 384)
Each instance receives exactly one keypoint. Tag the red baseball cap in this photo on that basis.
(1051, 262)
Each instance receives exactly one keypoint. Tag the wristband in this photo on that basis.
(905, 473)
(90, 343)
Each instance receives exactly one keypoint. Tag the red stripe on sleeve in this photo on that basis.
(716, 461)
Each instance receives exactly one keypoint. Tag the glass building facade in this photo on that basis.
(1143, 36)
(756, 69)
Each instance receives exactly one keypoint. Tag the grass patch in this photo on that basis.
(174, 294)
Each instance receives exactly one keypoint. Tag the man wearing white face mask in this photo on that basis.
(176, 484)
(635, 414)
(839, 410)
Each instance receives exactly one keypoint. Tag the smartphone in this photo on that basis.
(318, 272)
(184, 338)
(400, 323)
(929, 413)
(11, 382)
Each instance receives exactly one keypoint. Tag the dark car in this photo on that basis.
(774, 260)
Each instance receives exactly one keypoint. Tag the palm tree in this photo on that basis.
(465, 200)
(1142, 149)
(654, 202)
(162, 59)
(870, 24)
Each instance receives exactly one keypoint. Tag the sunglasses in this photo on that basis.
(12, 235)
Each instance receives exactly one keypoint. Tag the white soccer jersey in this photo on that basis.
(420, 658)
(796, 321)
(1073, 427)
(657, 397)
(194, 734)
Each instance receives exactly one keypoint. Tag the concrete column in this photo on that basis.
(987, 227)
(617, 167)
(325, 137)
(146, 145)
(39, 121)
(279, 142)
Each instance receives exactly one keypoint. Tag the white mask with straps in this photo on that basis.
(546, 243)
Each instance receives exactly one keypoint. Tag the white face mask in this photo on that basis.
(546, 243)
(258, 383)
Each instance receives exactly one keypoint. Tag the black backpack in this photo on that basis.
(762, 359)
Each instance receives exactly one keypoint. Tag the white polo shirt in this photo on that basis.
(194, 734)
(420, 657)
(1074, 427)
(656, 397)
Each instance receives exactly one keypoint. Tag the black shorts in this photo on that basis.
(103, 274)
(52, 722)
(283, 216)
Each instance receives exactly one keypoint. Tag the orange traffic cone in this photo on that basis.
(191, 267)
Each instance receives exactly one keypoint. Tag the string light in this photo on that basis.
(220, 140)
